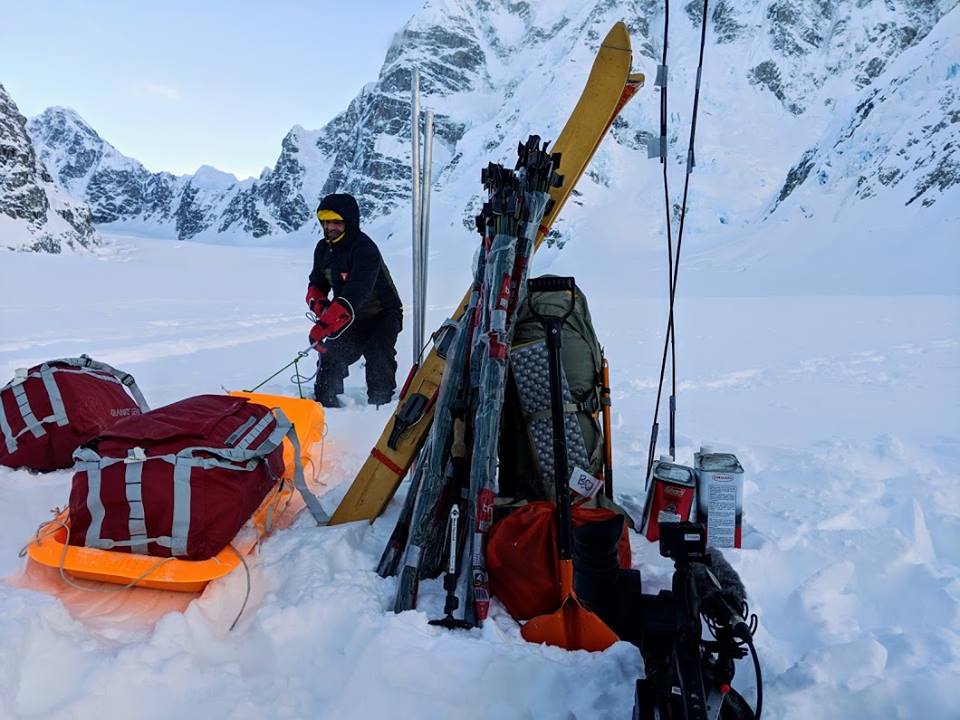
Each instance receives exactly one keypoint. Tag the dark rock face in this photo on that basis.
(918, 149)
(242, 213)
(44, 219)
(767, 74)
(280, 189)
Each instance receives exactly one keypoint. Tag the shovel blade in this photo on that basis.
(572, 627)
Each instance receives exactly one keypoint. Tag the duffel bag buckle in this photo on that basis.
(137, 454)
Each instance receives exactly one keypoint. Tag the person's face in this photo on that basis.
(332, 229)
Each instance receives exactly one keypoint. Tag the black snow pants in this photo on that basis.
(374, 340)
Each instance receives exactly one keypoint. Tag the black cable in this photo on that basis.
(666, 205)
(756, 668)
(669, 335)
(670, 271)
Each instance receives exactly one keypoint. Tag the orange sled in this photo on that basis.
(50, 546)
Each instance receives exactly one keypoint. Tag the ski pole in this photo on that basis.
(452, 602)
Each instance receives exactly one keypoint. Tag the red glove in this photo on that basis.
(332, 320)
(316, 300)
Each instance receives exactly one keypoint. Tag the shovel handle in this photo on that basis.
(551, 283)
(553, 328)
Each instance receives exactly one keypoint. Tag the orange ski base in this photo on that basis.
(50, 546)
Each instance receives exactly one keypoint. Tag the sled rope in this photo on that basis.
(57, 524)
(63, 557)
(246, 595)
(300, 355)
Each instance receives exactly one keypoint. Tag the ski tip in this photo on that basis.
(618, 38)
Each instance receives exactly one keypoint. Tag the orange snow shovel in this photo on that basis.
(572, 627)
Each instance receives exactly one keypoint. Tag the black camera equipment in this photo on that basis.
(688, 677)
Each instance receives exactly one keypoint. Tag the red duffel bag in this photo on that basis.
(522, 558)
(178, 481)
(50, 410)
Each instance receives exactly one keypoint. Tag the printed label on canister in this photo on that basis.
(671, 497)
(720, 498)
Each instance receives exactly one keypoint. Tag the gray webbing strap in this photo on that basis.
(313, 504)
(108, 544)
(242, 454)
(181, 505)
(137, 521)
(53, 392)
(9, 440)
(26, 412)
(89, 462)
(234, 436)
(548, 414)
(255, 432)
(126, 379)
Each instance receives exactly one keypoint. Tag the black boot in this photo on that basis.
(379, 398)
(601, 585)
(595, 564)
(326, 398)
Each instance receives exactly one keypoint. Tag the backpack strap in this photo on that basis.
(589, 406)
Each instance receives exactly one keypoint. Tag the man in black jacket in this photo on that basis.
(364, 316)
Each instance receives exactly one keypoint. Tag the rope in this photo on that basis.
(63, 557)
(300, 355)
(56, 524)
(298, 379)
(246, 595)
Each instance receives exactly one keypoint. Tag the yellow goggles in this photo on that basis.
(326, 215)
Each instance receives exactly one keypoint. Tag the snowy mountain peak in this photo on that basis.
(210, 177)
(74, 152)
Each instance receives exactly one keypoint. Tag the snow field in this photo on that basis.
(843, 411)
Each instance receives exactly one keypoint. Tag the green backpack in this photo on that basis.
(526, 450)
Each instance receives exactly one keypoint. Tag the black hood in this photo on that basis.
(346, 207)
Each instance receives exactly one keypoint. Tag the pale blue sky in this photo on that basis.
(179, 84)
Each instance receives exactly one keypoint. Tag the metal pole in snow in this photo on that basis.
(415, 198)
(425, 217)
